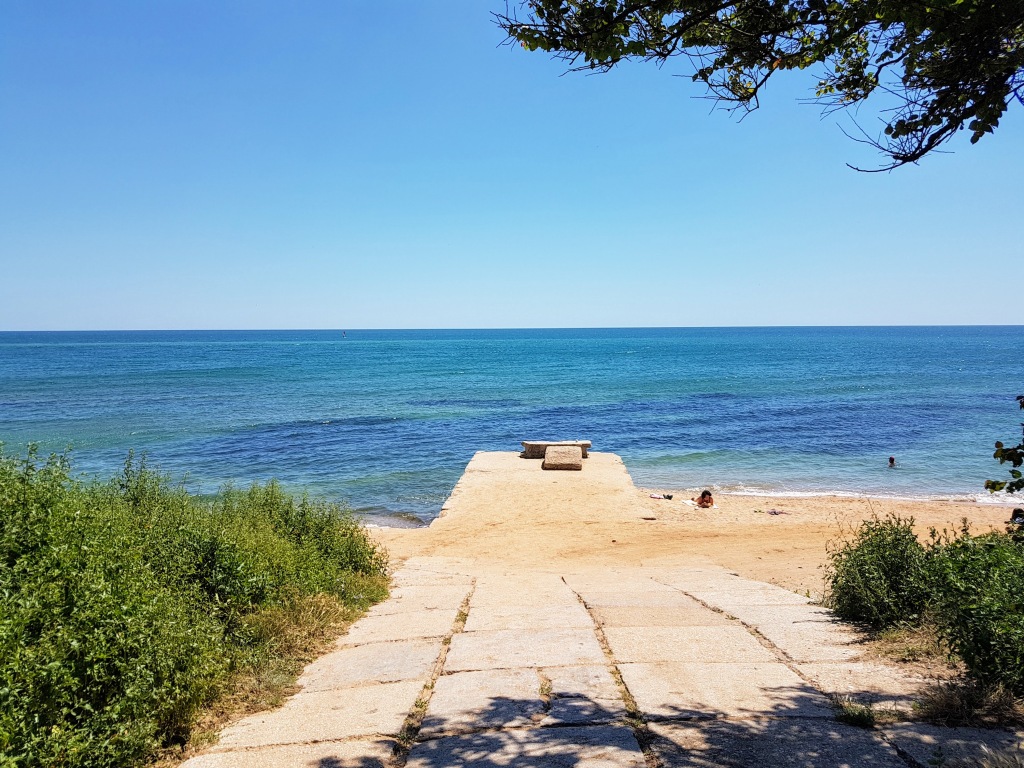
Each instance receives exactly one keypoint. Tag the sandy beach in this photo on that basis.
(593, 519)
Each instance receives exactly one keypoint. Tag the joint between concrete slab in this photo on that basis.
(524, 728)
(783, 657)
(634, 717)
(247, 749)
(411, 726)
(901, 753)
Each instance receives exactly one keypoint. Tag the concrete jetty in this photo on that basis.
(552, 660)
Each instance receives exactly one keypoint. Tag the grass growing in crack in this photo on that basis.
(545, 689)
(854, 713)
(414, 721)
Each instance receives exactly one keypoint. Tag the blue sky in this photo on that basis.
(386, 164)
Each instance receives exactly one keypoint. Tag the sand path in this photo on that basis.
(557, 619)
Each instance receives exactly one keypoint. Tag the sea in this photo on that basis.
(386, 421)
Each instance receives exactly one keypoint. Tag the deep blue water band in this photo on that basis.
(388, 419)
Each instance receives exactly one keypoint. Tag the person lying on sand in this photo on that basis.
(705, 500)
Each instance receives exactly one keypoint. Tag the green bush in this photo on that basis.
(880, 577)
(978, 602)
(972, 588)
(125, 606)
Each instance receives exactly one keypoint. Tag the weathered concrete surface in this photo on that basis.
(736, 689)
(930, 745)
(864, 681)
(640, 597)
(371, 663)
(599, 747)
(687, 615)
(501, 649)
(495, 698)
(728, 644)
(510, 590)
(772, 743)
(327, 715)
(547, 662)
(421, 597)
(491, 616)
(408, 625)
(805, 633)
(584, 694)
(325, 754)
(433, 571)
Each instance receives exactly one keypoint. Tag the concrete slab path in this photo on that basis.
(472, 663)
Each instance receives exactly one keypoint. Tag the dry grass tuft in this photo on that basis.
(1004, 758)
(912, 645)
(965, 702)
(852, 712)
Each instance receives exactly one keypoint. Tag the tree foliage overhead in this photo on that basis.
(948, 64)
(1014, 455)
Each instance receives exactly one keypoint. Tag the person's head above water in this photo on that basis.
(892, 461)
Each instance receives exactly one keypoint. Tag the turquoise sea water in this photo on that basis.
(387, 420)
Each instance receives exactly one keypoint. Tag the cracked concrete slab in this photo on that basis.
(813, 644)
(770, 743)
(864, 681)
(727, 597)
(723, 589)
(410, 625)
(586, 694)
(374, 663)
(698, 644)
(495, 698)
(489, 616)
(327, 716)
(517, 592)
(326, 754)
(805, 633)
(932, 745)
(413, 577)
(691, 615)
(677, 689)
(421, 598)
(421, 577)
(639, 598)
(597, 747)
(503, 649)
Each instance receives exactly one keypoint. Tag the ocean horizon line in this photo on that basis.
(349, 329)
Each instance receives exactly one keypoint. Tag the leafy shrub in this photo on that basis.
(978, 603)
(880, 577)
(125, 606)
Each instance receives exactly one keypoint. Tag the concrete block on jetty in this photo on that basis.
(563, 457)
(537, 449)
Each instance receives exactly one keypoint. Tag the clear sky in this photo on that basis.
(385, 164)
